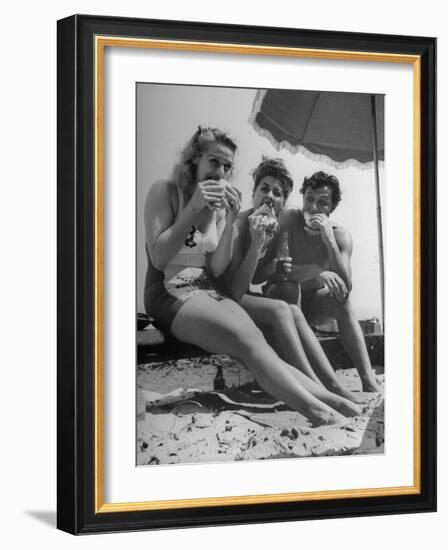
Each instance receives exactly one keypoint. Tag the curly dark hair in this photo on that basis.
(276, 168)
(320, 179)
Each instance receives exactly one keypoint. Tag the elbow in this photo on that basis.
(157, 261)
(258, 280)
(258, 277)
(234, 291)
(216, 271)
(348, 284)
(217, 266)
(236, 296)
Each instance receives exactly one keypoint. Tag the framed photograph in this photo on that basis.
(246, 274)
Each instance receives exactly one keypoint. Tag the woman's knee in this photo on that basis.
(297, 313)
(280, 312)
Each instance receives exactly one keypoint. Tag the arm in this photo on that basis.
(267, 265)
(339, 254)
(245, 258)
(338, 243)
(336, 275)
(265, 270)
(165, 235)
(305, 272)
(221, 257)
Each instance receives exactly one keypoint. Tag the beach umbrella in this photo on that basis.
(344, 129)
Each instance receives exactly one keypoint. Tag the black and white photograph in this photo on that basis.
(170, 194)
(260, 274)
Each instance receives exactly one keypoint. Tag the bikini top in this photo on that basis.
(197, 244)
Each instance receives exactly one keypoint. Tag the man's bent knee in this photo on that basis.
(342, 308)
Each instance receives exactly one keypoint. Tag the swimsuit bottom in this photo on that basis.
(163, 299)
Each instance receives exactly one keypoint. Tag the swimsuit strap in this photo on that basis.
(180, 200)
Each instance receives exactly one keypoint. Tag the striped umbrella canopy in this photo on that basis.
(338, 125)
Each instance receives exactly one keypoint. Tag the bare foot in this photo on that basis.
(325, 417)
(361, 400)
(344, 406)
(348, 408)
(370, 385)
(339, 390)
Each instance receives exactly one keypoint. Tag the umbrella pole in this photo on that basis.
(378, 202)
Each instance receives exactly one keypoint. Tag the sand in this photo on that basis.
(197, 427)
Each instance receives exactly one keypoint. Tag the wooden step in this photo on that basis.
(153, 346)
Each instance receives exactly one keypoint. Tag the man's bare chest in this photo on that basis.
(308, 250)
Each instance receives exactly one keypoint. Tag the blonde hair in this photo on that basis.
(185, 170)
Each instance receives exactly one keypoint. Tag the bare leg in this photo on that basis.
(337, 402)
(353, 341)
(290, 292)
(321, 308)
(224, 327)
(276, 317)
(317, 358)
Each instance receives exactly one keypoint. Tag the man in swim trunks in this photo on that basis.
(320, 280)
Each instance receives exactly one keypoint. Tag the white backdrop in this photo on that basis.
(28, 277)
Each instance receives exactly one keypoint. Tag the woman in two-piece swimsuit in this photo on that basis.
(254, 260)
(196, 210)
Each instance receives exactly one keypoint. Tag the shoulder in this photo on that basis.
(243, 218)
(161, 188)
(339, 229)
(160, 191)
(342, 235)
(161, 200)
(245, 214)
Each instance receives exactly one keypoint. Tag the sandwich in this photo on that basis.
(309, 227)
(268, 218)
